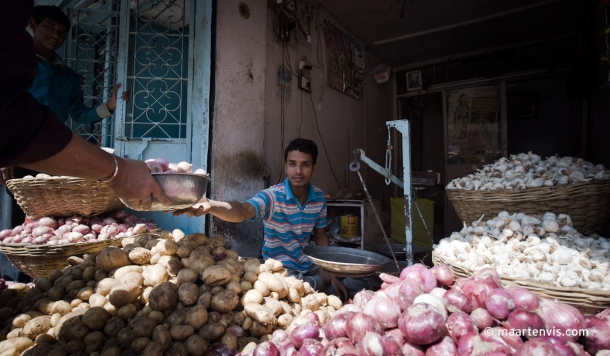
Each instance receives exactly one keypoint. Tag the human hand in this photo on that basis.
(339, 288)
(6, 173)
(126, 96)
(134, 184)
(201, 208)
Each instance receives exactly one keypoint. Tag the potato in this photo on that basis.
(211, 332)
(70, 327)
(249, 347)
(78, 284)
(154, 275)
(21, 319)
(245, 286)
(216, 276)
(258, 330)
(162, 337)
(234, 285)
(323, 315)
(259, 313)
(125, 337)
(296, 309)
(284, 320)
(111, 351)
(139, 255)
(74, 346)
(252, 296)
(205, 299)
(334, 302)
(84, 293)
(167, 247)
(171, 263)
(45, 339)
(105, 286)
(95, 318)
(177, 349)
(37, 326)
(55, 318)
(224, 301)
(184, 251)
(15, 333)
(274, 265)
(181, 332)
(247, 323)
(145, 295)
(293, 296)
(163, 296)
(200, 260)
(307, 287)
(142, 327)
(261, 287)
(97, 300)
(250, 276)
(196, 346)
(187, 275)
(120, 272)
(152, 349)
(196, 316)
(155, 258)
(124, 294)
(252, 265)
(127, 311)
(113, 326)
(37, 350)
(230, 341)
(310, 302)
(139, 344)
(177, 317)
(17, 345)
(188, 293)
(111, 258)
(56, 293)
(216, 289)
(156, 316)
(274, 283)
(274, 305)
(100, 274)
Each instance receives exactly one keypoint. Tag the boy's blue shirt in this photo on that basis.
(58, 86)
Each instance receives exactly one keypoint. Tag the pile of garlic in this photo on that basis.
(545, 249)
(528, 170)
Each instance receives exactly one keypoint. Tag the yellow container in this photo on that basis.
(349, 226)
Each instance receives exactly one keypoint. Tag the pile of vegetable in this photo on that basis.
(161, 165)
(528, 170)
(77, 229)
(426, 312)
(545, 249)
(160, 294)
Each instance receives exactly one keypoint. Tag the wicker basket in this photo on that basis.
(587, 301)
(63, 196)
(588, 204)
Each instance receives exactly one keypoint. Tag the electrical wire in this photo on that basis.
(301, 123)
(322, 139)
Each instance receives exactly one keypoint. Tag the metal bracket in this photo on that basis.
(386, 173)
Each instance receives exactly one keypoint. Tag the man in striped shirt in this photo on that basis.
(291, 212)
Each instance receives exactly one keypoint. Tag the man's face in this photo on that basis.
(49, 33)
(299, 168)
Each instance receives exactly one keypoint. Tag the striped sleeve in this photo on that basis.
(262, 203)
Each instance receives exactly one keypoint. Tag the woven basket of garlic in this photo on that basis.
(532, 185)
(543, 253)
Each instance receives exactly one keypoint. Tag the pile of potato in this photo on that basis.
(161, 294)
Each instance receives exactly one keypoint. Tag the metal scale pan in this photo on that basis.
(345, 261)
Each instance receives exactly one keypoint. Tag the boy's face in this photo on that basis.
(299, 168)
(49, 33)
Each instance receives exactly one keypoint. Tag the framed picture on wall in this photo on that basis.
(414, 80)
(522, 106)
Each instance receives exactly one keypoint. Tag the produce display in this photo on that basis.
(528, 170)
(161, 165)
(160, 294)
(545, 249)
(77, 229)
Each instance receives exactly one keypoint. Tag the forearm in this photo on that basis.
(79, 159)
(231, 211)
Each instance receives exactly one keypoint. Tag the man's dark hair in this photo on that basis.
(41, 12)
(302, 145)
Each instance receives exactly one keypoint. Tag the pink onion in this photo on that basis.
(563, 347)
(445, 347)
(488, 274)
(409, 349)
(348, 308)
(420, 273)
(185, 167)
(28, 240)
(473, 344)
(597, 336)
(388, 279)
(358, 325)
(303, 332)
(525, 321)
(372, 344)
(438, 293)
(83, 229)
(523, 298)
(455, 300)
(385, 311)
(5, 233)
(265, 348)
(481, 318)
(340, 346)
(363, 297)
(172, 167)
(97, 228)
(41, 230)
(499, 303)
(201, 171)
(561, 317)
(311, 347)
(422, 324)
(503, 336)
(335, 327)
(443, 274)
(458, 324)
(396, 334)
(49, 222)
(408, 290)
(153, 166)
(108, 221)
(392, 346)
(163, 163)
(17, 230)
(477, 291)
(537, 346)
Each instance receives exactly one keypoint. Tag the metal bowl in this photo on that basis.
(183, 190)
(345, 259)
(399, 250)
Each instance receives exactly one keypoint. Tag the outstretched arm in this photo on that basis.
(235, 212)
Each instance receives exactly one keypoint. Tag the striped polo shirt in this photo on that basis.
(288, 223)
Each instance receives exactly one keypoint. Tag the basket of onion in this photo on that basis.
(427, 312)
(38, 247)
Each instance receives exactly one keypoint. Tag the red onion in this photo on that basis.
(408, 290)
(559, 318)
(443, 274)
(388, 279)
(360, 324)
(563, 347)
(422, 324)
(384, 310)
(5, 233)
(488, 274)
(340, 346)
(455, 300)
(303, 332)
(409, 349)
(311, 347)
(153, 166)
(266, 348)
(372, 344)
(396, 334)
(459, 324)
(420, 273)
(445, 347)
(363, 297)
(481, 318)
(523, 298)
(336, 325)
(537, 346)
(499, 303)
(597, 336)
(163, 163)
(503, 336)
(477, 291)
(349, 307)
(392, 346)
(49, 222)
(473, 344)
(391, 290)
(41, 230)
(601, 315)
(526, 322)
(438, 293)
(312, 318)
